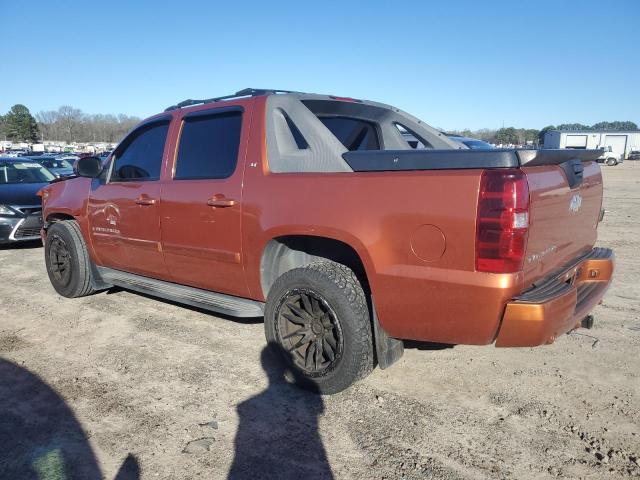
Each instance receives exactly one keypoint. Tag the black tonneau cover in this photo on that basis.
(399, 160)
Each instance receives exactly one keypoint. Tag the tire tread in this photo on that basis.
(346, 280)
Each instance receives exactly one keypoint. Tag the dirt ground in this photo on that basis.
(118, 385)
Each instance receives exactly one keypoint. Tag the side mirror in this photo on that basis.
(90, 167)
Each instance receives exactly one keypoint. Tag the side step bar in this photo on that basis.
(196, 297)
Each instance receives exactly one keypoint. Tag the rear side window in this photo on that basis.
(139, 158)
(209, 146)
(301, 143)
(353, 133)
(414, 141)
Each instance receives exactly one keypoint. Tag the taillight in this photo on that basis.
(503, 221)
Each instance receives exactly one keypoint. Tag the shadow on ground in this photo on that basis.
(278, 435)
(40, 438)
(21, 245)
(416, 345)
(245, 320)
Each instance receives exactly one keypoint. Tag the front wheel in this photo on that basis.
(611, 162)
(317, 317)
(67, 260)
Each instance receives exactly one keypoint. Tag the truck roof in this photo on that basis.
(258, 92)
(245, 92)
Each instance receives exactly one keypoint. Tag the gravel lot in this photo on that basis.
(118, 382)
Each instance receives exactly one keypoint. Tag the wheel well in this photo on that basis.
(58, 217)
(288, 252)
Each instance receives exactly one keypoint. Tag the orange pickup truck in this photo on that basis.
(315, 212)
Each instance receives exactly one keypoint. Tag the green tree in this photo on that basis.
(573, 126)
(615, 126)
(506, 136)
(20, 124)
(530, 135)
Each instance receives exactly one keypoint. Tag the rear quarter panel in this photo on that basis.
(390, 219)
(414, 231)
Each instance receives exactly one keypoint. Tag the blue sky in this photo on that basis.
(455, 64)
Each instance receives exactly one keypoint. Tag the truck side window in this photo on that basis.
(139, 157)
(353, 133)
(414, 141)
(209, 146)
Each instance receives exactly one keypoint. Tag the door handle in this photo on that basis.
(220, 201)
(145, 201)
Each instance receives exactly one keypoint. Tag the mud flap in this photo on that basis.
(388, 350)
(97, 282)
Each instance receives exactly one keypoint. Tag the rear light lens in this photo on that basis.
(503, 221)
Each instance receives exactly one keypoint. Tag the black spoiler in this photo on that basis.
(400, 160)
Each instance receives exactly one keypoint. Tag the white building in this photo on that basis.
(620, 142)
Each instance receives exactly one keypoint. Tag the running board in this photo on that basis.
(196, 297)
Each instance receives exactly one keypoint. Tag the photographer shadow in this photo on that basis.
(40, 437)
(278, 435)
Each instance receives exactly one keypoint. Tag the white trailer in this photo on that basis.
(617, 144)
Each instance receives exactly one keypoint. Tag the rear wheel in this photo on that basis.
(317, 316)
(67, 260)
(611, 162)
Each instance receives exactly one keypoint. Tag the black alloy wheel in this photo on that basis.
(317, 317)
(308, 328)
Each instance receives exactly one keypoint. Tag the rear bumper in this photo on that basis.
(540, 315)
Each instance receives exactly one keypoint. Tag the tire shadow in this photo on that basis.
(40, 437)
(416, 345)
(278, 435)
(27, 245)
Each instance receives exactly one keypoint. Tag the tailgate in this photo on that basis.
(564, 208)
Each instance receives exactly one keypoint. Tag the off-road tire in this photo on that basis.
(66, 235)
(339, 287)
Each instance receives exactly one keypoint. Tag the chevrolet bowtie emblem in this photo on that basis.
(575, 203)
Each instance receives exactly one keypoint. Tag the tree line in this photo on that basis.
(522, 136)
(503, 136)
(71, 124)
(66, 124)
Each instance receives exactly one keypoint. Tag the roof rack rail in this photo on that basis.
(245, 92)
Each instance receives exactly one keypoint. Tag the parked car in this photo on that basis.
(634, 155)
(14, 153)
(472, 143)
(58, 166)
(67, 156)
(20, 207)
(315, 212)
